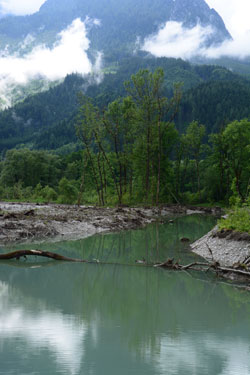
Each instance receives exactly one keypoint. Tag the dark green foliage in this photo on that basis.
(28, 122)
(67, 191)
(215, 104)
(236, 148)
(155, 134)
(131, 152)
(193, 147)
(30, 168)
(46, 120)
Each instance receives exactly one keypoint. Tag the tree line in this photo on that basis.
(131, 152)
(211, 95)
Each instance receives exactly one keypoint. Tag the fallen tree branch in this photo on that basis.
(214, 266)
(247, 260)
(169, 263)
(176, 266)
(191, 265)
(240, 272)
(24, 253)
(210, 251)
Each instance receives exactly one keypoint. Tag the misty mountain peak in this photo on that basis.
(122, 21)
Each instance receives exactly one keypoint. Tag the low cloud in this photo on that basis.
(175, 40)
(238, 48)
(68, 55)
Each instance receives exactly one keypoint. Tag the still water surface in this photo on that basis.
(92, 319)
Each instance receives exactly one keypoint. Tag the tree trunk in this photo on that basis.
(23, 253)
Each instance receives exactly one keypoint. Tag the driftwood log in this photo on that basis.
(24, 253)
(169, 264)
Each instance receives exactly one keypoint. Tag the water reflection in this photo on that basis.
(202, 354)
(110, 319)
(155, 243)
(151, 322)
(35, 329)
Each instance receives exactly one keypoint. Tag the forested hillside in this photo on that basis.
(211, 94)
(215, 104)
(129, 149)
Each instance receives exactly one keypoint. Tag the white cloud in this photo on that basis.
(68, 55)
(238, 48)
(20, 7)
(174, 40)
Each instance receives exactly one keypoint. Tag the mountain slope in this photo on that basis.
(46, 120)
(215, 104)
(117, 28)
(121, 21)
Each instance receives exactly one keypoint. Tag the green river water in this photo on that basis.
(122, 319)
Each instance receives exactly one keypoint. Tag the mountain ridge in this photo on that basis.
(122, 22)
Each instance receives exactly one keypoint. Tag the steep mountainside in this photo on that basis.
(212, 95)
(215, 104)
(122, 22)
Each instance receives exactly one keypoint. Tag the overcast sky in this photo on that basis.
(21, 7)
(235, 14)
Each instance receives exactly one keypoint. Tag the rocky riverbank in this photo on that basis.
(25, 222)
(228, 249)
(22, 222)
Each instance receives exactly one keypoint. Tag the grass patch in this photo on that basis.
(238, 220)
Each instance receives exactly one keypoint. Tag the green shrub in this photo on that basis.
(67, 191)
(238, 220)
(49, 194)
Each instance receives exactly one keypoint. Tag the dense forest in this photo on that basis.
(212, 95)
(133, 149)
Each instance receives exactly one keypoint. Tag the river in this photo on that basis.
(122, 319)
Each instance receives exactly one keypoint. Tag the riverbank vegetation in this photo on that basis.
(132, 153)
(238, 219)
